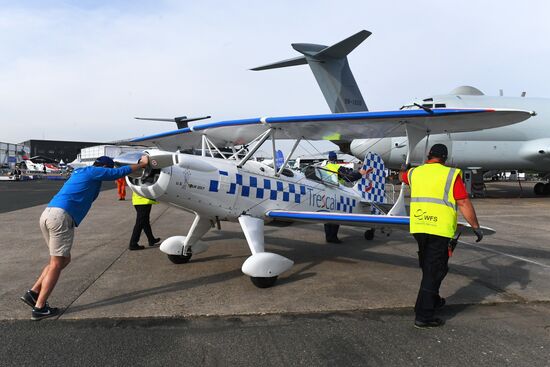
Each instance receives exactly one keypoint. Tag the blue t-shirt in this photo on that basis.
(82, 188)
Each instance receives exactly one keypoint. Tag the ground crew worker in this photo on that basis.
(16, 173)
(436, 193)
(344, 175)
(65, 212)
(143, 212)
(121, 188)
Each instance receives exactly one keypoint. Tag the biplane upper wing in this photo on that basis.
(337, 126)
(359, 220)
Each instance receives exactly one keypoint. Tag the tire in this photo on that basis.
(539, 188)
(179, 259)
(546, 190)
(369, 234)
(262, 282)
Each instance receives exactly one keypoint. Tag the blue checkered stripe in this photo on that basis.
(261, 188)
(377, 178)
(346, 204)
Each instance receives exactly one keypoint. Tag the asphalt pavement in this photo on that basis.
(341, 304)
(497, 335)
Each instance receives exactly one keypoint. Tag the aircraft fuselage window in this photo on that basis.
(428, 105)
(440, 105)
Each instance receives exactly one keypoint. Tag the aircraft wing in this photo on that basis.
(360, 220)
(337, 126)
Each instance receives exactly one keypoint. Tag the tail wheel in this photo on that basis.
(263, 282)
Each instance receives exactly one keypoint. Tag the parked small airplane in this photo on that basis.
(47, 165)
(523, 146)
(230, 188)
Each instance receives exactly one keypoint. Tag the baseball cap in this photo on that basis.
(105, 161)
(438, 151)
(332, 156)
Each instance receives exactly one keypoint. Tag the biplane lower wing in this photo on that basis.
(337, 126)
(360, 220)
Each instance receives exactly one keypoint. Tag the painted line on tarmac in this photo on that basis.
(505, 254)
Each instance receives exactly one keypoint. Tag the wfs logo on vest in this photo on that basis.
(424, 216)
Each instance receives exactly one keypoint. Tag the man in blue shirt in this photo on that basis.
(65, 212)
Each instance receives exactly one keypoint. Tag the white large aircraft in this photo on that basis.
(523, 146)
(225, 187)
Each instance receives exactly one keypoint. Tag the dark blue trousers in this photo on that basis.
(433, 255)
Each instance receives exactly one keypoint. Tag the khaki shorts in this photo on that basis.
(58, 230)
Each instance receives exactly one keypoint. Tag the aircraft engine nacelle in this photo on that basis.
(383, 147)
(535, 149)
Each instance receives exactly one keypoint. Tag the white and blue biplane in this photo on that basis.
(227, 185)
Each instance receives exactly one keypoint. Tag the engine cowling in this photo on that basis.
(152, 181)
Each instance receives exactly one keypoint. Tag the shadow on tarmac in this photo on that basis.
(515, 272)
(494, 278)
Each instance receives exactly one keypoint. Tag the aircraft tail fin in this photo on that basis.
(331, 70)
(372, 186)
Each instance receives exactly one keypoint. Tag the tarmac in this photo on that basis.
(341, 304)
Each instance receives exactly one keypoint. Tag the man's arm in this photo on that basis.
(142, 163)
(468, 212)
(404, 172)
(349, 174)
(110, 174)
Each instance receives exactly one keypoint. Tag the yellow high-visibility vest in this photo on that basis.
(140, 200)
(334, 167)
(433, 206)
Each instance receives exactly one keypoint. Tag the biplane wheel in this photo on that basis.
(369, 234)
(179, 259)
(263, 282)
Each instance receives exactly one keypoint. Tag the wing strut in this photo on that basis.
(262, 138)
(287, 158)
(414, 135)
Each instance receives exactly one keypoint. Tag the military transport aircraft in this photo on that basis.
(232, 187)
(524, 146)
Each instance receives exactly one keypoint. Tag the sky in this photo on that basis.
(82, 70)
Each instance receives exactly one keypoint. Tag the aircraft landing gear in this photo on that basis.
(542, 189)
(369, 234)
(180, 259)
(263, 282)
(262, 267)
(180, 248)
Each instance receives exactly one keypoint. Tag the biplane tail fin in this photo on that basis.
(372, 186)
(330, 66)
